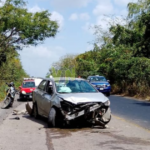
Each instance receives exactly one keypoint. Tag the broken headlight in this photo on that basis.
(107, 103)
(66, 106)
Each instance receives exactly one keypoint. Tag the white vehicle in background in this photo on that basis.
(37, 80)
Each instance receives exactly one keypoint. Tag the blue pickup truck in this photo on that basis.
(100, 83)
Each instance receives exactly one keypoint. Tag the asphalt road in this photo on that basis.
(135, 111)
(5, 112)
(29, 133)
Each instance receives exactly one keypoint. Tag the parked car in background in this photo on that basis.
(26, 88)
(65, 100)
(100, 83)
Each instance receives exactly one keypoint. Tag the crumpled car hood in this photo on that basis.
(77, 98)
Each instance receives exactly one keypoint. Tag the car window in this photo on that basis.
(98, 79)
(74, 86)
(49, 88)
(42, 85)
(28, 84)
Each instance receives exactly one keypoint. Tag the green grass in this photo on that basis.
(2, 91)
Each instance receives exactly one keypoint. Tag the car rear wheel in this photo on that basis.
(35, 111)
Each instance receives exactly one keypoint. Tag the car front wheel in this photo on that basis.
(52, 118)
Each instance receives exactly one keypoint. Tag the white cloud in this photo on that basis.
(35, 9)
(2, 2)
(70, 3)
(84, 16)
(104, 7)
(107, 13)
(124, 2)
(90, 47)
(73, 16)
(37, 60)
(124, 12)
(105, 21)
(57, 17)
(88, 27)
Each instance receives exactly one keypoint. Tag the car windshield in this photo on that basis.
(74, 86)
(98, 79)
(28, 84)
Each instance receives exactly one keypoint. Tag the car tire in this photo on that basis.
(20, 96)
(6, 103)
(52, 118)
(35, 111)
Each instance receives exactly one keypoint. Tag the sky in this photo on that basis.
(75, 34)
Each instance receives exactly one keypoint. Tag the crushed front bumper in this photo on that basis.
(75, 115)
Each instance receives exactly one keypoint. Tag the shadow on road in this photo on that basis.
(75, 126)
(142, 103)
(41, 120)
(24, 100)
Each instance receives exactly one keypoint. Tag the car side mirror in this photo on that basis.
(19, 87)
(108, 80)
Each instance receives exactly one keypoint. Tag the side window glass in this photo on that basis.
(42, 85)
(49, 88)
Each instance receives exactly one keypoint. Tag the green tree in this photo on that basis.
(20, 28)
(139, 14)
(65, 66)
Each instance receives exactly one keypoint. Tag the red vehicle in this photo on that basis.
(26, 89)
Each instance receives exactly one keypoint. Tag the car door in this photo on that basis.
(47, 98)
(39, 96)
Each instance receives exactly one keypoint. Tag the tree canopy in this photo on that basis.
(122, 54)
(19, 28)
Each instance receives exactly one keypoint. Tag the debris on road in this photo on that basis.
(28, 110)
(20, 112)
(15, 118)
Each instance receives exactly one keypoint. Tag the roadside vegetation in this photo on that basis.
(18, 29)
(122, 53)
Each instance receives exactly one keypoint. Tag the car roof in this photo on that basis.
(28, 80)
(63, 78)
(95, 76)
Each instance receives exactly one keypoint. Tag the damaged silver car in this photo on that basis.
(65, 100)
